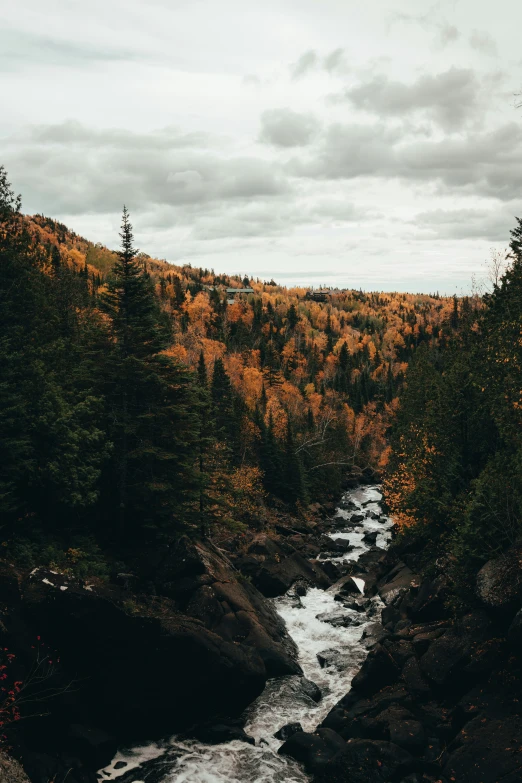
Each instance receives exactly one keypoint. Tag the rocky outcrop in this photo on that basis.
(499, 582)
(134, 665)
(438, 698)
(206, 586)
(11, 771)
(332, 760)
(275, 565)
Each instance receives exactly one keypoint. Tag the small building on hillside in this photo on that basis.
(320, 295)
(233, 294)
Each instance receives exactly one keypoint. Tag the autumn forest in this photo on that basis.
(141, 399)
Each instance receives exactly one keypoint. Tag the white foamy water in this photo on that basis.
(283, 700)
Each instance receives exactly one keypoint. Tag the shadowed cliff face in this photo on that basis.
(135, 665)
(438, 696)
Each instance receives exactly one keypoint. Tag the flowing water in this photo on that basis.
(284, 700)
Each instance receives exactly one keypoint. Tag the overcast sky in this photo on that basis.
(371, 144)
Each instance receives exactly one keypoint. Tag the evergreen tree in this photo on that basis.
(152, 406)
(292, 317)
(294, 486)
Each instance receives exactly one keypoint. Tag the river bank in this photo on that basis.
(330, 626)
(438, 698)
(417, 694)
(186, 639)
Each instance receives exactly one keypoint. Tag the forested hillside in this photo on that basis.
(140, 399)
(454, 483)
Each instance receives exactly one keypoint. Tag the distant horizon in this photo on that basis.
(291, 279)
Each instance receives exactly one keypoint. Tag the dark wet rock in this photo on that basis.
(312, 690)
(397, 582)
(347, 586)
(414, 681)
(332, 570)
(422, 641)
(224, 637)
(378, 670)
(401, 650)
(390, 616)
(358, 604)
(120, 765)
(365, 761)
(287, 731)
(340, 619)
(347, 504)
(429, 604)
(313, 750)
(95, 634)
(93, 745)
(499, 582)
(336, 658)
(486, 751)
(301, 589)
(447, 656)
(277, 572)
(373, 634)
(408, 734)
(370, 537)
(340, 545)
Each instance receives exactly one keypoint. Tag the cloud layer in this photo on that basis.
(283, 137)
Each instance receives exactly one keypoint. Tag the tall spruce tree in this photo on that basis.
(294, 484)
(152, 405)
(51, 442)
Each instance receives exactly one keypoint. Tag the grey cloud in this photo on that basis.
(342, 210)
(19, 48)
(74, 134)
(431, 20)
(251, 220)
(287, 128)
(349, 151)
(448, 33)
(483, 43)
(450, 98)
(492, 225)
(79, 176)
(306, 62)
(480, 163)
(335, 61)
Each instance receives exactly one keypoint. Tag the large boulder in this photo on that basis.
(11, 771)
(205, 585)
(378, 670)
(486, 751)
(366, 761)
(274, 566)
(397, 582)
(499, 582)
(129, 660)
(208, 646)
(448, 657)
(313, 750)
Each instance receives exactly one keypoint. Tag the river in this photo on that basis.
(284, 700)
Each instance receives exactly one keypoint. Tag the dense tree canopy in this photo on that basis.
(141, 399)
(455, 475)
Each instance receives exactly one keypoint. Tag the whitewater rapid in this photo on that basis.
(283, 700)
